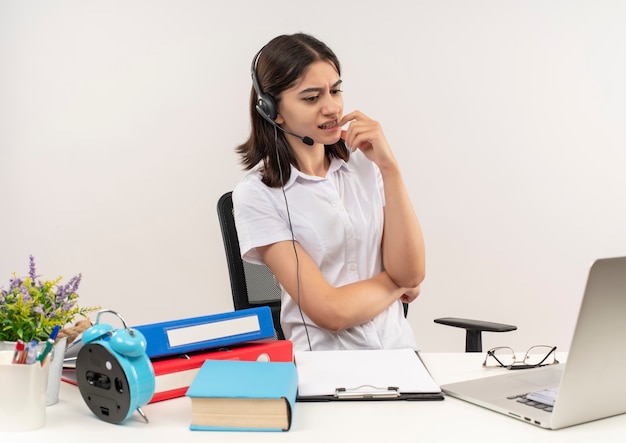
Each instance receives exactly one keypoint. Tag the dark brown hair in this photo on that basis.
(280, 64)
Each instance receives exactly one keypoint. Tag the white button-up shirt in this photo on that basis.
(338, 220)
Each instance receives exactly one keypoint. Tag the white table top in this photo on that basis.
(70, 420)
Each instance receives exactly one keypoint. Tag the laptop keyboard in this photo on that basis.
(521, 398)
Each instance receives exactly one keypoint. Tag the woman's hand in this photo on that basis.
(410, 295)
(366, 135)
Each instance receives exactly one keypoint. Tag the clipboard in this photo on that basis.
(370, 375)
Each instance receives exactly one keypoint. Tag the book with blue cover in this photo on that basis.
(238, 395)
(173, 375)
(207, 332)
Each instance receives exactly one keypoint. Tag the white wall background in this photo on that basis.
(118, 122)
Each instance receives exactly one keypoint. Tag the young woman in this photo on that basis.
(324, 205)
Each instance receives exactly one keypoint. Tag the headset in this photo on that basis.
(114, 374)
(266, 105)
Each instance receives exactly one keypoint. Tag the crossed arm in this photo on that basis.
(332, 308)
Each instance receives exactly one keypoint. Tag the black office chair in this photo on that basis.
(254, 285)
(251, 285)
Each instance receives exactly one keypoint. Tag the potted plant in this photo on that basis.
(30, 308)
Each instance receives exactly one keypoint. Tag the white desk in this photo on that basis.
(70, 420)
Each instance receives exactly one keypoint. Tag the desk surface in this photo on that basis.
(398, 421)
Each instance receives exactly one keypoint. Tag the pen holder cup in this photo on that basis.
(22, 394)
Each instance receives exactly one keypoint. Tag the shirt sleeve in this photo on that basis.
(259, 218)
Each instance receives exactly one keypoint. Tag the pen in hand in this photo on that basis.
(49, 344)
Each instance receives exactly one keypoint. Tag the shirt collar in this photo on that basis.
(296, 175)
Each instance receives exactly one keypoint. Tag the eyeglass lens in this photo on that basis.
(537, 355)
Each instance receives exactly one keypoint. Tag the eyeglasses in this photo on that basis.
(536, 356)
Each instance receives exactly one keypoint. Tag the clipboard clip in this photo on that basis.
(367, 392)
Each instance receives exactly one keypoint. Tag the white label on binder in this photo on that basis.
(209, 331)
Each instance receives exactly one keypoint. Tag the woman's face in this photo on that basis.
(314, 105)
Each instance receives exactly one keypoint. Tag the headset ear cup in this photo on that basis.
(128, 342)
(266, 105)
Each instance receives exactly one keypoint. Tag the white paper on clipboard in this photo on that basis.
(322, 373)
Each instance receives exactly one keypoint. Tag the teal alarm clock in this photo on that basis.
(114, 374)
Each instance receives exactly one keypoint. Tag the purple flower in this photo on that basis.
(32, 270)
(61, 294)
(72, 285)
(15, 283)
(53, 308)
(25, 295)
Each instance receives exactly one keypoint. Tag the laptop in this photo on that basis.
(591, 385)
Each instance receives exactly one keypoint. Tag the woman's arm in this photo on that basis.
(331, 308)
(403, 243)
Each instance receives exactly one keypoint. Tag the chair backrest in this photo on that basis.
(251, 285)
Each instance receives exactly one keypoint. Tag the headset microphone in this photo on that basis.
(306, 140)
(266, 106)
